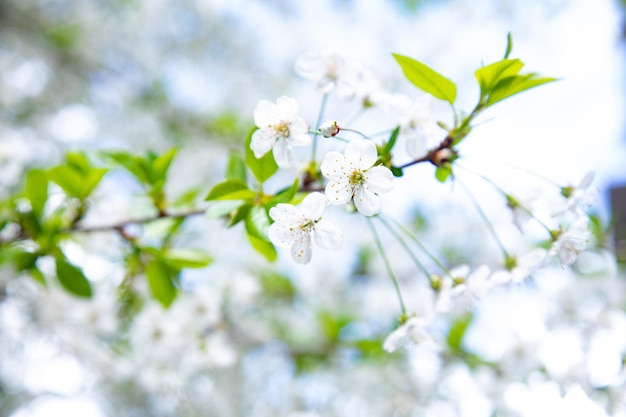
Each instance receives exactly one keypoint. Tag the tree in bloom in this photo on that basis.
(280, 128)
(295, 226)
(353, 176)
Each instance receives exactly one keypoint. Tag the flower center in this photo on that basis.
(356, 178)
(282, 129)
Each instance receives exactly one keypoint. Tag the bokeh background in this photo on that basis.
(135, 75)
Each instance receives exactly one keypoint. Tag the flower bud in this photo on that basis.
(329, 128)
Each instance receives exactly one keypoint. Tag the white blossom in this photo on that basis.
(330, 71)
(416, 121)
(294, 226)
(412, 332)
(280, 128)
(468, 287)
(578, 198)
(570, 242)
(353, 176)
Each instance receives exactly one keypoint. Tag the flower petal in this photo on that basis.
(327, 235)
(379, 179)
(262, 141)
(361, 150)
(302, 250)
(366, 202)
(287, 109)
(313, 206)
(282, 212)
(284, 233)
(283, 154)
(333, 166)
(339, 192)
(265, 114)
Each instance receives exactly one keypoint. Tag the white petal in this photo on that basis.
(265, 114)
(287, 108)
(362, 150)
(284, 234)
(327, 235)
(283, 154)
(587, 180)
(313, 206)
(396, 339)
(284, 211)
(262, 141)
(333, 166)
(301, 250)
(379, 179)
(366, 202)
(339, 192)
(298, 133)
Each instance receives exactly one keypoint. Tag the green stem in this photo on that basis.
(345, 129)
(379, 246)
(423, 248)
(404, 245)
(483, 216)
(320, 117)
(506, 195)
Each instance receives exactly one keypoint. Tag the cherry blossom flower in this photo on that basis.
(295, 226)
(466, 289)
(578, 198)
(570, 242)
(353, 176)
(330, 71)
(416, 121)
(280, 128)
(412, 332)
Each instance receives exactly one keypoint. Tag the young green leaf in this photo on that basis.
(135, 165)
(161, 286)
(264, 247)
(257, 222)
(457, 332)
(36, 191)
(262, 168)
(427, 79)
(231, 189)
(392, 141)
(510, 86)
(284, 196)
(236, 168)
(509, 45)
(489, 75)
(160, 165)
(186, 258)
(72, 278)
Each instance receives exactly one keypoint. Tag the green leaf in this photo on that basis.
(236, 168)
(135, 165)
(186, 258)
(264, 247)
(262, 168)
(392, 141)
(488, 76)
(277, 286)
(68, 179)
(286, 195)
(257, 222)
(509, 45)
(222, 208)
(457, 332)
(239, 214)
(427, 79)
(72, 278)
(443, 172)
(510, 86)
(160, 165)
(231, 190)
(161, 286)
(36, 191)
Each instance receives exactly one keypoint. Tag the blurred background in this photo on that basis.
(133, 75)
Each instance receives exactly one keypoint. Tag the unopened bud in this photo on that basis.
(329, 128)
